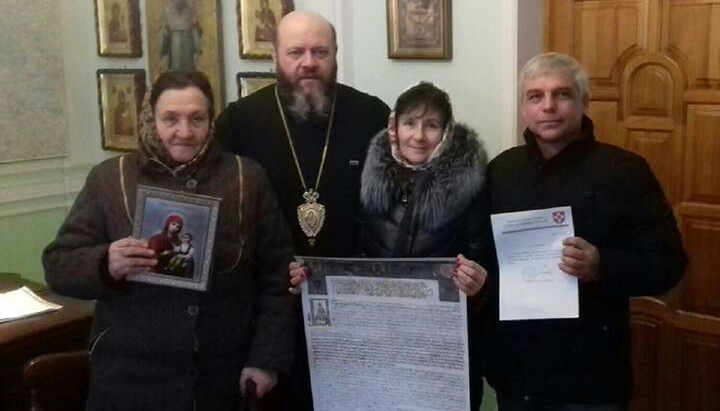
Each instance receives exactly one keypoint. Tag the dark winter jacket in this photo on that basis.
(158, 347)
(429, 212)
(619, 207)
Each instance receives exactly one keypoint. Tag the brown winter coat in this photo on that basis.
(158, 347)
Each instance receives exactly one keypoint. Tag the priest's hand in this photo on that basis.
(298, 273)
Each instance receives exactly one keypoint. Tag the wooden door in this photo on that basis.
(654, 69)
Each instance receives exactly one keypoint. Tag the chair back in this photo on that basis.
(58, 381)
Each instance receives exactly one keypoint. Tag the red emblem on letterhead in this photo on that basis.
(558, 217)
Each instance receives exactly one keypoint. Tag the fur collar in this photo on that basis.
(444, 189)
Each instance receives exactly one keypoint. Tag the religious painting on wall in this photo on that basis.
(250, 82)
(256, 23)
(180, 228)
(419, 29)
(186, 35)
(117, 23)
(120, 94)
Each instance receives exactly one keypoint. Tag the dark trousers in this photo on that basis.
(509, 403)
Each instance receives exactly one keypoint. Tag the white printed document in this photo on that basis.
(529, 248)
(22, 303)
(386, 335)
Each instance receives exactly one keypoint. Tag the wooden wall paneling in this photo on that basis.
(655, 146)
(605, 118)
(654, 69)
(691, 35)
(702, 152)
(608, 33)
(702, 282)
(558, 35)
(645, 352)
(699, 376)
(598, 34)
(651, 91)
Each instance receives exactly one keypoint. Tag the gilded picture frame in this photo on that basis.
(256, 23)
(120, 94)
(419, 29)
(117, 26)
(249, 82)
(180, 227)
(186, 35)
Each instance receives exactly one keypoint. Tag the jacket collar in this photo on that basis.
(572, 151)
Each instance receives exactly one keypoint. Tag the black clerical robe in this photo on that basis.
(252, 127)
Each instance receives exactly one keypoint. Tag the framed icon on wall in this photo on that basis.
(256, 24)
(120, 94)
(117, 25)
(419, 29)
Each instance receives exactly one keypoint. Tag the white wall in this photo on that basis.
(482, 55)
(471, 77)
(480, 78)
(483, 65)
(530, 35)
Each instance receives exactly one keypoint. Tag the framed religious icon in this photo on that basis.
(256, 22)
(180, 228)
(249, 82)
(117, 24)
(120, 94)
(186, 35)
(419, 29)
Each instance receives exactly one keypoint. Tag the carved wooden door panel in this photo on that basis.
(654, 69)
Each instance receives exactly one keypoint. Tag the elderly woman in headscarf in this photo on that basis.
(420, 195)
(159, 348)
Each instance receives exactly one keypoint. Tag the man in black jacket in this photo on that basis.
(311, 134)
(626, 244)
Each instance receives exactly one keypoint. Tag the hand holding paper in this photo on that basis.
(580, 259)
(530, 250)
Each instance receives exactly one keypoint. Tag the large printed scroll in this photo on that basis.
(386, 335)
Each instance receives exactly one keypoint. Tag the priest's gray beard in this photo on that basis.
(314, 106)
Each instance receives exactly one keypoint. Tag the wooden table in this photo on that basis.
(20, 340)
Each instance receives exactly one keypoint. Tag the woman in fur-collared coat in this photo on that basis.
(420, 198)
(421, 181)
(420, 190)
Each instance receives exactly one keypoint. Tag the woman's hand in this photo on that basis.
(469, 276)
(128, 256)
(264, 380)
(298, 274)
